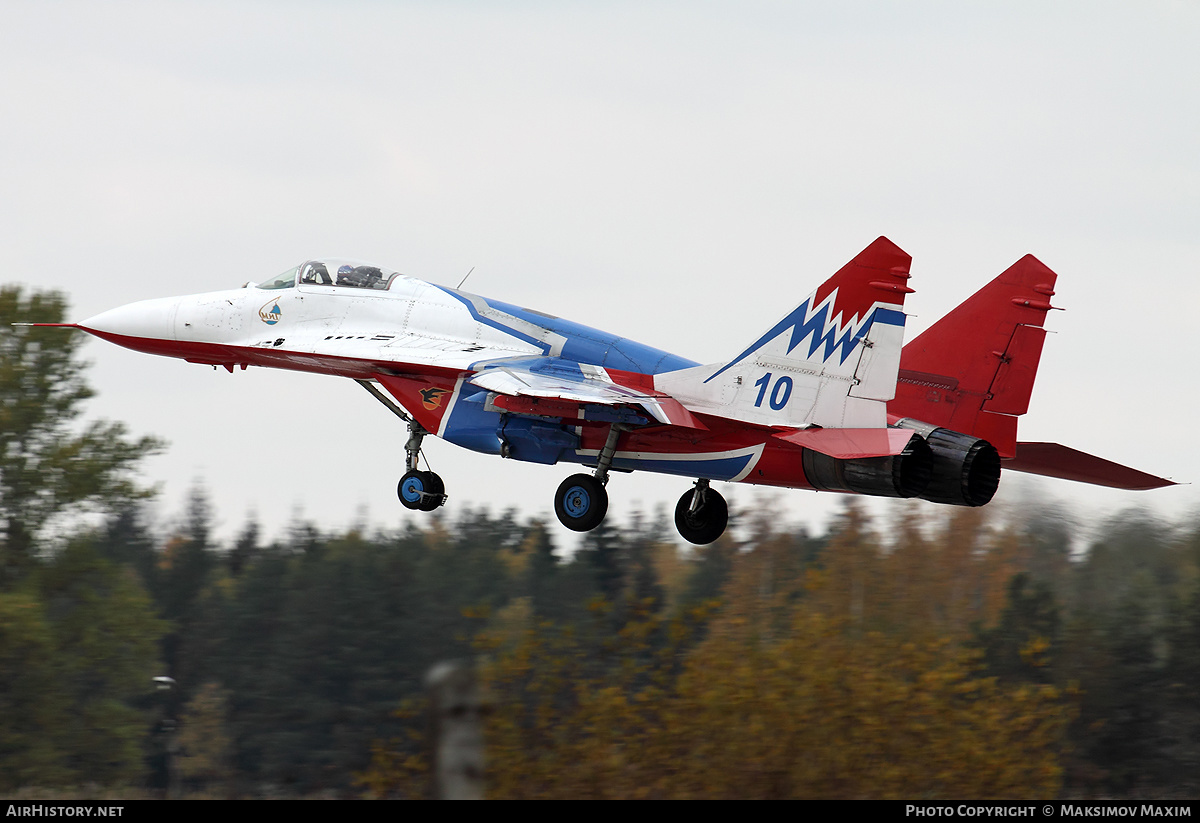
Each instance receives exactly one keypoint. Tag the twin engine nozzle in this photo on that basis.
(938, 465)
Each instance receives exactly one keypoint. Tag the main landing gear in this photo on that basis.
(582, 501)
(701, 514)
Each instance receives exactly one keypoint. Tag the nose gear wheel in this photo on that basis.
(421, 490)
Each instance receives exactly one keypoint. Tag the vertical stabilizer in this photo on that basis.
(973, 370)
(831, 361)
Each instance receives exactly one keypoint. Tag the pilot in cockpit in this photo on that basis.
(360, 277)
(348, 276)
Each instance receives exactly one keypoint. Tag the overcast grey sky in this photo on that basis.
(677, 172)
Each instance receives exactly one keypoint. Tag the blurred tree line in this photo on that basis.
(939, 653)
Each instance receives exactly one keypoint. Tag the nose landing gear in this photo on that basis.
(419, 490)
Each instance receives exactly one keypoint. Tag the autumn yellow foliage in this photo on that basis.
(828, 680)
(818, 712)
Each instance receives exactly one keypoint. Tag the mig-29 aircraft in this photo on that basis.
(826, 399)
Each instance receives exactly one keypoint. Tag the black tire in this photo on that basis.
(435, 493)
(581, 502)
(420, 491)
(707, 523)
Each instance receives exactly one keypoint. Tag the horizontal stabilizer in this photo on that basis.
(851, 444)
(1054, 460)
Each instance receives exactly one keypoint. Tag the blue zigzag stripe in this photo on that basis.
(803, 326)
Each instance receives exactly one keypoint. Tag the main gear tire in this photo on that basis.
(581, 502)
(705, 524)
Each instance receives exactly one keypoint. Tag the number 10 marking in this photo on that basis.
(779, 395)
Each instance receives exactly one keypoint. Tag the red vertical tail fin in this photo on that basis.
(973, 370)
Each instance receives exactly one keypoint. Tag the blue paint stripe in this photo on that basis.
(890, 317)
(804, 327)
(581, 343)
(487, 321)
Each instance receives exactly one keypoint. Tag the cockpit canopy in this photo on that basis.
(353, 274)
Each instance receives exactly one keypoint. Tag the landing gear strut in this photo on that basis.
(581, 500)
(417, 490)
(701, 515)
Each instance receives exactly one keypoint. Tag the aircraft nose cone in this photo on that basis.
(148, 319)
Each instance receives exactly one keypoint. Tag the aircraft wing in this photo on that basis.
(566, 385)
(1054, 460)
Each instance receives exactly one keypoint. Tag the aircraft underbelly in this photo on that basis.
(736, 456)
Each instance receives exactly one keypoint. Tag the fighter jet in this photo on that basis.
(827, 398)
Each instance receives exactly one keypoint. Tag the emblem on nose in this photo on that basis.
(270, 313)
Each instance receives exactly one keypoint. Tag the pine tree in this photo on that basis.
(50, 467)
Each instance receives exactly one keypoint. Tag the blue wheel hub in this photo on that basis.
(411, 489)
(580, 502)
(577, 501)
